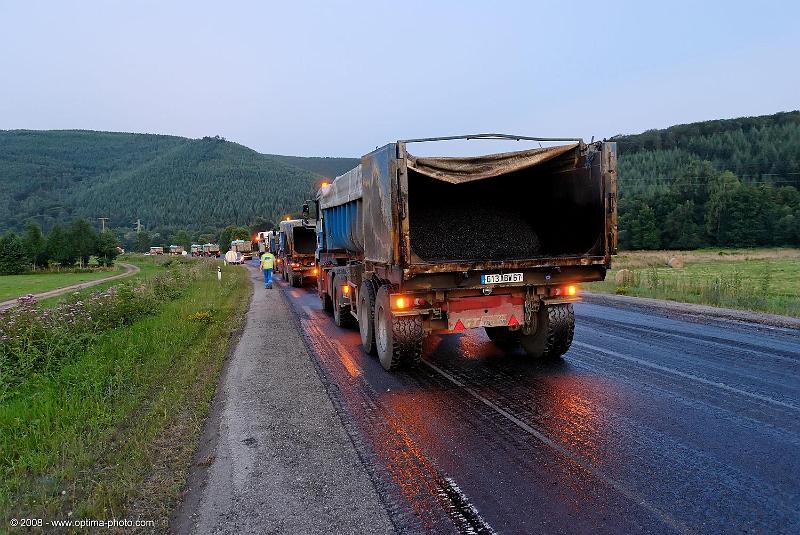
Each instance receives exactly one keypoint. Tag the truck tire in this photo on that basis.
(503, 337)
(398, 339)
(341, 317)
(325, 298)
(297, 282)
(553, 336)
(366, 316)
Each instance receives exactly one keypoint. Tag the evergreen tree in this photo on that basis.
(59, 248)
(13, 257)
(83, 240)
(681, 228)
(142, 244)
(35, 245)
(183, 238)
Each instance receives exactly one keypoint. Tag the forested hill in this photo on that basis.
(731, 182)
(756, 149)
(166, 181)
(323, 166)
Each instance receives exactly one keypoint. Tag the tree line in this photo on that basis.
(62, 246)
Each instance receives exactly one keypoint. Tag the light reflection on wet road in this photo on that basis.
(650, 425)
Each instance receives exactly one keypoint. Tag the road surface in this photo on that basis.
(130, 269)
(651, 424)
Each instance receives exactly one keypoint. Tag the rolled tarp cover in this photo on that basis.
(468, 169)
(345, 188)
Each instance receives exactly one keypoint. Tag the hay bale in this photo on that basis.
(624, 277)
(675, 262)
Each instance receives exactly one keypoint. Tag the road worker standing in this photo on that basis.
(267, 262)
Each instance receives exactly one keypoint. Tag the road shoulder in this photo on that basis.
(695, 310)
(274, 456)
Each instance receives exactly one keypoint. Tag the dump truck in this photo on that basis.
(409, 246)
(177, 250)
(297, 245)
(156, 250)
(272, 240)
(244, 248)
(196, 249)
(263, 242)
(267, 241)
(210, 249)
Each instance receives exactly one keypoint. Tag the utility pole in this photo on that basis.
(138, 226)
(103, 223)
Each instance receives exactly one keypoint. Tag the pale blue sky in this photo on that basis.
(339, 78)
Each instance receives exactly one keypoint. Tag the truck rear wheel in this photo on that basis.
(366, 316)
(553, 336)
(398, 340)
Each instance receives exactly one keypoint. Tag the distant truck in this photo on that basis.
(156, 250)
(176, 250)
(410, 246)
(210, 249)
(268, 241)
(297, 245)
(196, 249)
(244, 248)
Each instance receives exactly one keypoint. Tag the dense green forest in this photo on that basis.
(323, 166)
(731, 182)
(168, 182)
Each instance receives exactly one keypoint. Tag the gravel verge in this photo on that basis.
(274, 457)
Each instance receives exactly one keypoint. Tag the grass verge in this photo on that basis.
(763, 280)
(111, 433)
(12, 286)
(148, 266)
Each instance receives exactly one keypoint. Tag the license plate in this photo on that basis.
(501, 278)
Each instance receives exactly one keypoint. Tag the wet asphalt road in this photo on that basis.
(651, 424)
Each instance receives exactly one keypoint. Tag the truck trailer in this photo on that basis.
(196, 249)
(267, 241)
(211, 249)
(410, 246)
(297, 245)
(244, 248)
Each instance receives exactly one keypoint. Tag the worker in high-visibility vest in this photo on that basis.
(267, 262)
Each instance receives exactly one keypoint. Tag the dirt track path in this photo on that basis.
(130, 269)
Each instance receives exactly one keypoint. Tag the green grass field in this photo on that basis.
(111, 433)
(766, 280)
(148, 266)
(12, 286)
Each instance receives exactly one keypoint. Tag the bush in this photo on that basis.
(38, 340)
(13, 259)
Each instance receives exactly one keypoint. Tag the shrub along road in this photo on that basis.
(102, 398)
(130, 269)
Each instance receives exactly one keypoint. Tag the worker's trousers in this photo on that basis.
(267, 278)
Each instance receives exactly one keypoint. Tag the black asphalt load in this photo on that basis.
(278, 459)
(651, 424)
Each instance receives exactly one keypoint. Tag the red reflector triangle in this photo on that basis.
(513, 321)
(458, 326)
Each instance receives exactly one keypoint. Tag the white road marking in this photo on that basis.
(692, 377)
(676, 524)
